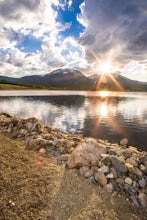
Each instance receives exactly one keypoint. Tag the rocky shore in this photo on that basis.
(119, 168)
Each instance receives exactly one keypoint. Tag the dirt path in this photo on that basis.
(33, 187)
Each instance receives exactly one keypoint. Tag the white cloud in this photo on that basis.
(135, 71)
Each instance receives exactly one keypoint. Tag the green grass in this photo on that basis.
(5, 86)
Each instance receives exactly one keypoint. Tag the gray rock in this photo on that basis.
(124, 141)
(142, 183)
(142, 199)
(127, 154)
(114, 171)
(109, 187)
(104, 169)
(118, 165)
(115, 184)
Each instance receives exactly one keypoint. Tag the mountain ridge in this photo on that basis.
(75, 79)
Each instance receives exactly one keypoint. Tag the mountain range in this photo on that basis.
(76, 80)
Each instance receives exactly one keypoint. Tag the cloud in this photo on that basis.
(114, 30)
(114, 25)
(36, 19)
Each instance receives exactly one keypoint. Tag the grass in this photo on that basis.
(5, 86)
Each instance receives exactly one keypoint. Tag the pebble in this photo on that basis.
(110, 176)
(128, 180)
(104, 169)
(124, 141)
(42, 151)
(118, 165)
(132, 161)
(142, 183)
(109, 187)
(101, 178)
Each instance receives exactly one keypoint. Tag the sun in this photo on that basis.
(105, 67)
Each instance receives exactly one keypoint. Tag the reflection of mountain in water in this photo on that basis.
(101, 117)
(74, 100)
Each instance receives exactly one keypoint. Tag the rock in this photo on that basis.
(85, 153)
(109, 187)
(142, 199)
(100, 178)
(64, 157)
(142, 167)
(114, 171)
(89, 173)
(115, 184)
(110, 176)
(14, 134)
(134, 200)
(131, 168)
(121, 159)
(138, 171)
(128, 180)
(105, 158)
(142, 183)
(143, 160)
(127, 154)
(120, 180)
(132, 161)
(124, 141)
(104, 169)
(94, 163)
(83, 170)
(118, 165)
(42, 151)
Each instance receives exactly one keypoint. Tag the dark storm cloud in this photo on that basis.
(116, 23)
(10, 9)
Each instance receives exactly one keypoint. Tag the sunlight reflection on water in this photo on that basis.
(98, 114)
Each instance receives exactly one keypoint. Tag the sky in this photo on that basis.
(93, 36)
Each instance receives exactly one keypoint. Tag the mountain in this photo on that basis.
(73, 79)
(60, 78)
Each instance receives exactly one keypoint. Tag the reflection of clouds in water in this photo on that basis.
(71, 120)
(72, 117)
(63, 117)
(133, 109)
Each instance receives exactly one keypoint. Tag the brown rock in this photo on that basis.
(85, 153)
(89, 173)
(132, 161)
(109, 187)
(120, 180)
(128, 180)
(100, 178)
(83, 170)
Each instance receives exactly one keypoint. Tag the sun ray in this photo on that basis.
(116, 83)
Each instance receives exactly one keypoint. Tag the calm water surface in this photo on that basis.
(97, 114)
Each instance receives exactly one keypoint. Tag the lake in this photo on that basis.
(105, 115)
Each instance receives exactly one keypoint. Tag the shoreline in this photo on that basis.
(119, 168)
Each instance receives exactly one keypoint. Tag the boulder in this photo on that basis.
(86, 152)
